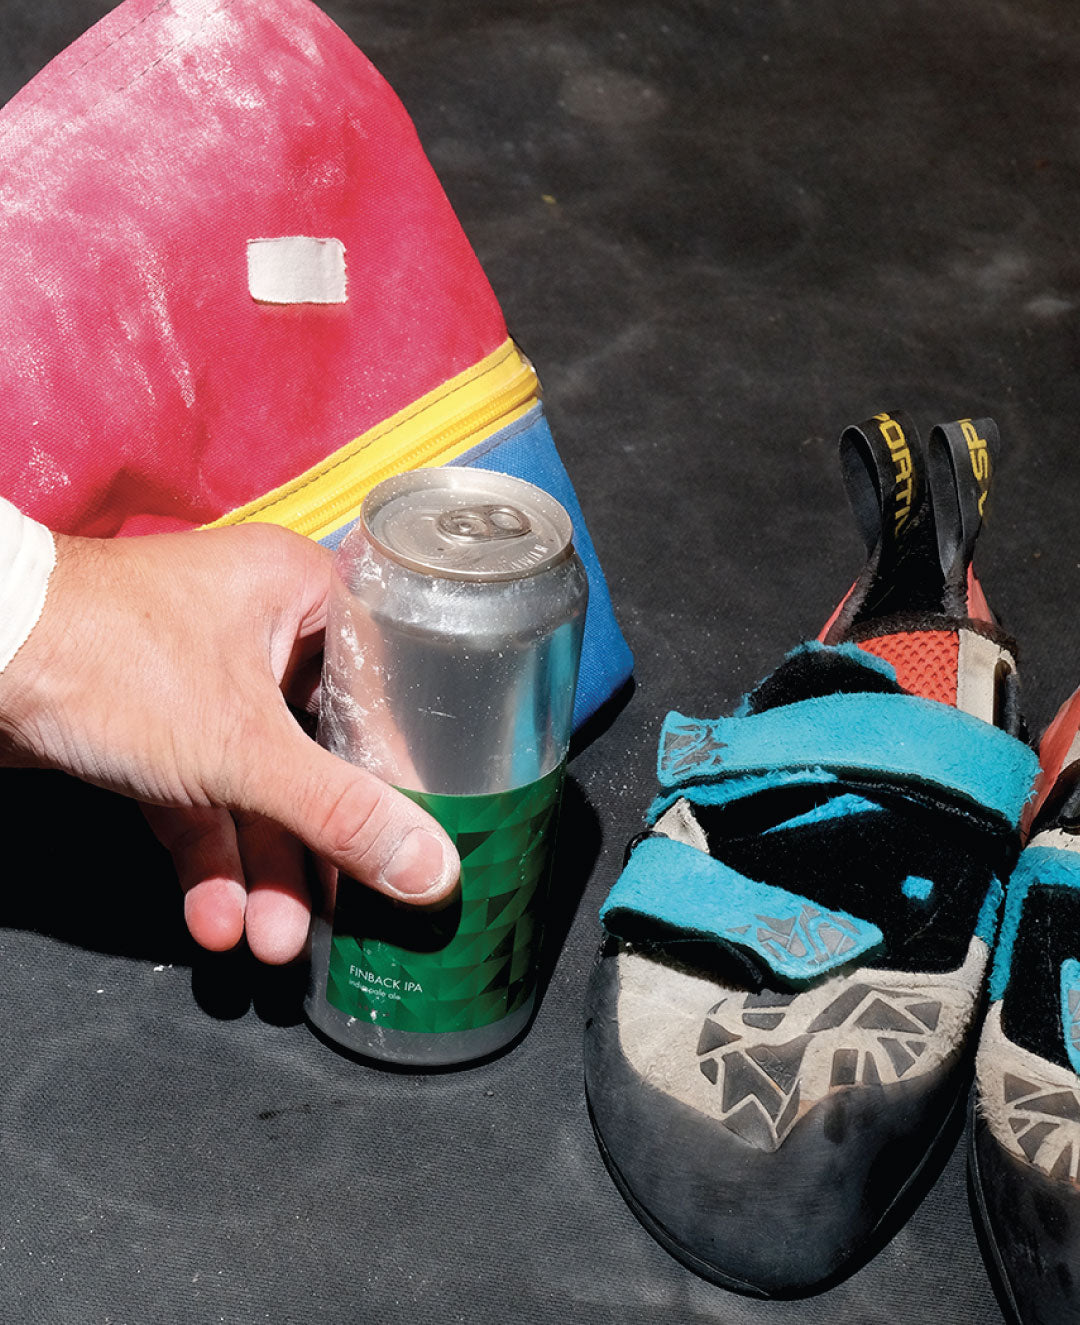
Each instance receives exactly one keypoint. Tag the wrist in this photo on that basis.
(30, 585)
(27, 559)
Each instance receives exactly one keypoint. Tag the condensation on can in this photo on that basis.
(452, 646)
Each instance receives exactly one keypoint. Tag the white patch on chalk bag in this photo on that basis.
(296, 269)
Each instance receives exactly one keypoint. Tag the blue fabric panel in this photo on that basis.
(900, 738)
(1052, 866)
(917, 888)
(738, 788)
(333, 539)
(987, 922)
(689, 892)
(1070, 1010)
(838, 807)
(526, 450)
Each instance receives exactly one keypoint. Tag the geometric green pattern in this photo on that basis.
(474, 962)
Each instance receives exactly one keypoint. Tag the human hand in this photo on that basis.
(163, 667)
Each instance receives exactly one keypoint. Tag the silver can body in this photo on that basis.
(452, 647)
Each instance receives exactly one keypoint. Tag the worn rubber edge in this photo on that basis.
(709, 1272)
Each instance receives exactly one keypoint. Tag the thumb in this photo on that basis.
(348, 816)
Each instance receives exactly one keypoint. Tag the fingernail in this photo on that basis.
(419, 866)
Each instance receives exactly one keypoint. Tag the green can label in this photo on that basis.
(474, 962)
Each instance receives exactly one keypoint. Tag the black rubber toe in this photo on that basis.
(1032, 1223)
(778, 1223)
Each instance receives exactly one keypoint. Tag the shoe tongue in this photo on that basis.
(815, 670)
(961, 458)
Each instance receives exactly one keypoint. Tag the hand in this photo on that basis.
(163, 668)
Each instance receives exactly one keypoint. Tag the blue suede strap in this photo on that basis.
(911, 743)
(686, 891)
(1041, 867)
(1045, 866)
(1070, 1009)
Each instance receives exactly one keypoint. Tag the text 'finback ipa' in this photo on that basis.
(452, 645)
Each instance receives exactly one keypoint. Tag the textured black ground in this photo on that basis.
(723, 231)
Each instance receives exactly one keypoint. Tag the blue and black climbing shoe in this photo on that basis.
(1025, 1136)
(780, 1018)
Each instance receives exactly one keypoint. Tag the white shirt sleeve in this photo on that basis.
(27, 557)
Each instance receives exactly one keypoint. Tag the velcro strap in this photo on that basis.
(682, 890)
(1042, 864)
(1069, 988)
(907, 742)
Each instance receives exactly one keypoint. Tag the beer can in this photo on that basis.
(452, 644)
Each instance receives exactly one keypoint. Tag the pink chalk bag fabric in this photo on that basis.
(232, 289)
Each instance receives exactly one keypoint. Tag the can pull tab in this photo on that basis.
(483, 523)
(961, 457)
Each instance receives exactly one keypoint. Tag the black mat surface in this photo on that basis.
(722, 232)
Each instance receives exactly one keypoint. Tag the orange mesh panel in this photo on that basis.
(925, 661)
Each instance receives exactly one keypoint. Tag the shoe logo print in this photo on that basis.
(893, 436)
(979, 454)
(687, 746)
(772, 1056)
(802, 942)
(1045, 1125)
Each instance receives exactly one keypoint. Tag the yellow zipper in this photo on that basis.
(434, 430)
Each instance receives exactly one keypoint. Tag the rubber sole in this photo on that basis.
(999, 1275)
(881, 1232)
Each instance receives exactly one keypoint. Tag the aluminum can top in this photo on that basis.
(467, 524)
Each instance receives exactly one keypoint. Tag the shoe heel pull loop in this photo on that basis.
(884, 476)
(961, 459)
